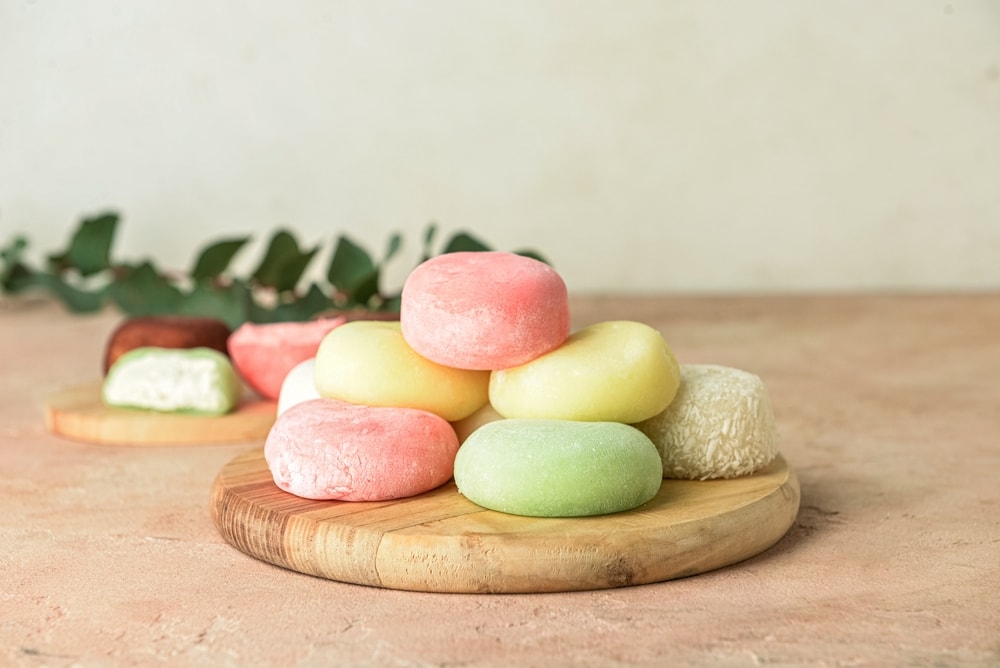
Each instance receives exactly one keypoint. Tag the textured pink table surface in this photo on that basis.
(889, 411)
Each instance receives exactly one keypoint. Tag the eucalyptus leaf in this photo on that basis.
(214, 259)
(19, 278)
(85, 278)
(393, 247)
(144, 291)
(259, 313)
(428, 247)
(89, 250)
(365, 291)
(464, 242)
(283, 264)
(351, 266)
(293, 269)
(14, 251)
(229, 303)
(305, 308)
(77, 300)
(12, 267)
(314, 302)
(533, 255)
(391, 304)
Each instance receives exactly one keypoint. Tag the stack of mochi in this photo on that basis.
(481, 380)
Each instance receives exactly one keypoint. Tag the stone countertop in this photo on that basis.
(888, 409)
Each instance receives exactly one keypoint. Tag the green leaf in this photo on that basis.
(11, 255)
(353, 276)
(215, 258)
(428, 248)
(393, 247)
(294, 269)
(229, 303)
(391, 304)
(75, 299)
(464, 242)
(17, 277)
(283, 264)
(89, 250)
(144, 291)
(351, 267)
(533, 255)
(314, 302)
(366, 290)
(14, 251)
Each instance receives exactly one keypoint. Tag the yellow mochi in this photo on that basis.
(615, 371)
(369, 362)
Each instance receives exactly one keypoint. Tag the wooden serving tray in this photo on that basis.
(441, 542)
(79, 414)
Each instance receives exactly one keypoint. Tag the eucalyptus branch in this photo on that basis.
(86, 278)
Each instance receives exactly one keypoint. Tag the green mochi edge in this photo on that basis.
(229, 380)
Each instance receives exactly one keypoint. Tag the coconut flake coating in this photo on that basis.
(331, 449)
(484, 310)
(720, 425)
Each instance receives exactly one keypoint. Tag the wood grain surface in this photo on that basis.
(441, 542)
(77, 413)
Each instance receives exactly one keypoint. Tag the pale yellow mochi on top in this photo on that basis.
(615, 371)
(368, 362)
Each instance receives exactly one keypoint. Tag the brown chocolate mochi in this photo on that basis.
(166, 331)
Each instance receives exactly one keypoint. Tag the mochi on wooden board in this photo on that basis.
(484, 310)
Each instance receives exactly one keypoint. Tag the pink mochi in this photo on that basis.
(331, 449)
(484, 310)
(263, 354)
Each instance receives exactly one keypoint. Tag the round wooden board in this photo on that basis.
(441, 542)
(79, 414)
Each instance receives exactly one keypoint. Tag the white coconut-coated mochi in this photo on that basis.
(299, 385)
(720, 425)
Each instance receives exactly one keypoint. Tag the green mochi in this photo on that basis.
(197, 381)
(558, 468)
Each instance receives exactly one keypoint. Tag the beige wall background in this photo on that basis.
(642, 146)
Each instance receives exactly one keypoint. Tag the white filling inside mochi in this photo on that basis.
(167, 382)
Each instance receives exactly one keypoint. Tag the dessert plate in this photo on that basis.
(441, 542)
(78, 413)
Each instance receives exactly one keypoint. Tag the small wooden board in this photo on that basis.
(79, 414)
(441, 542)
